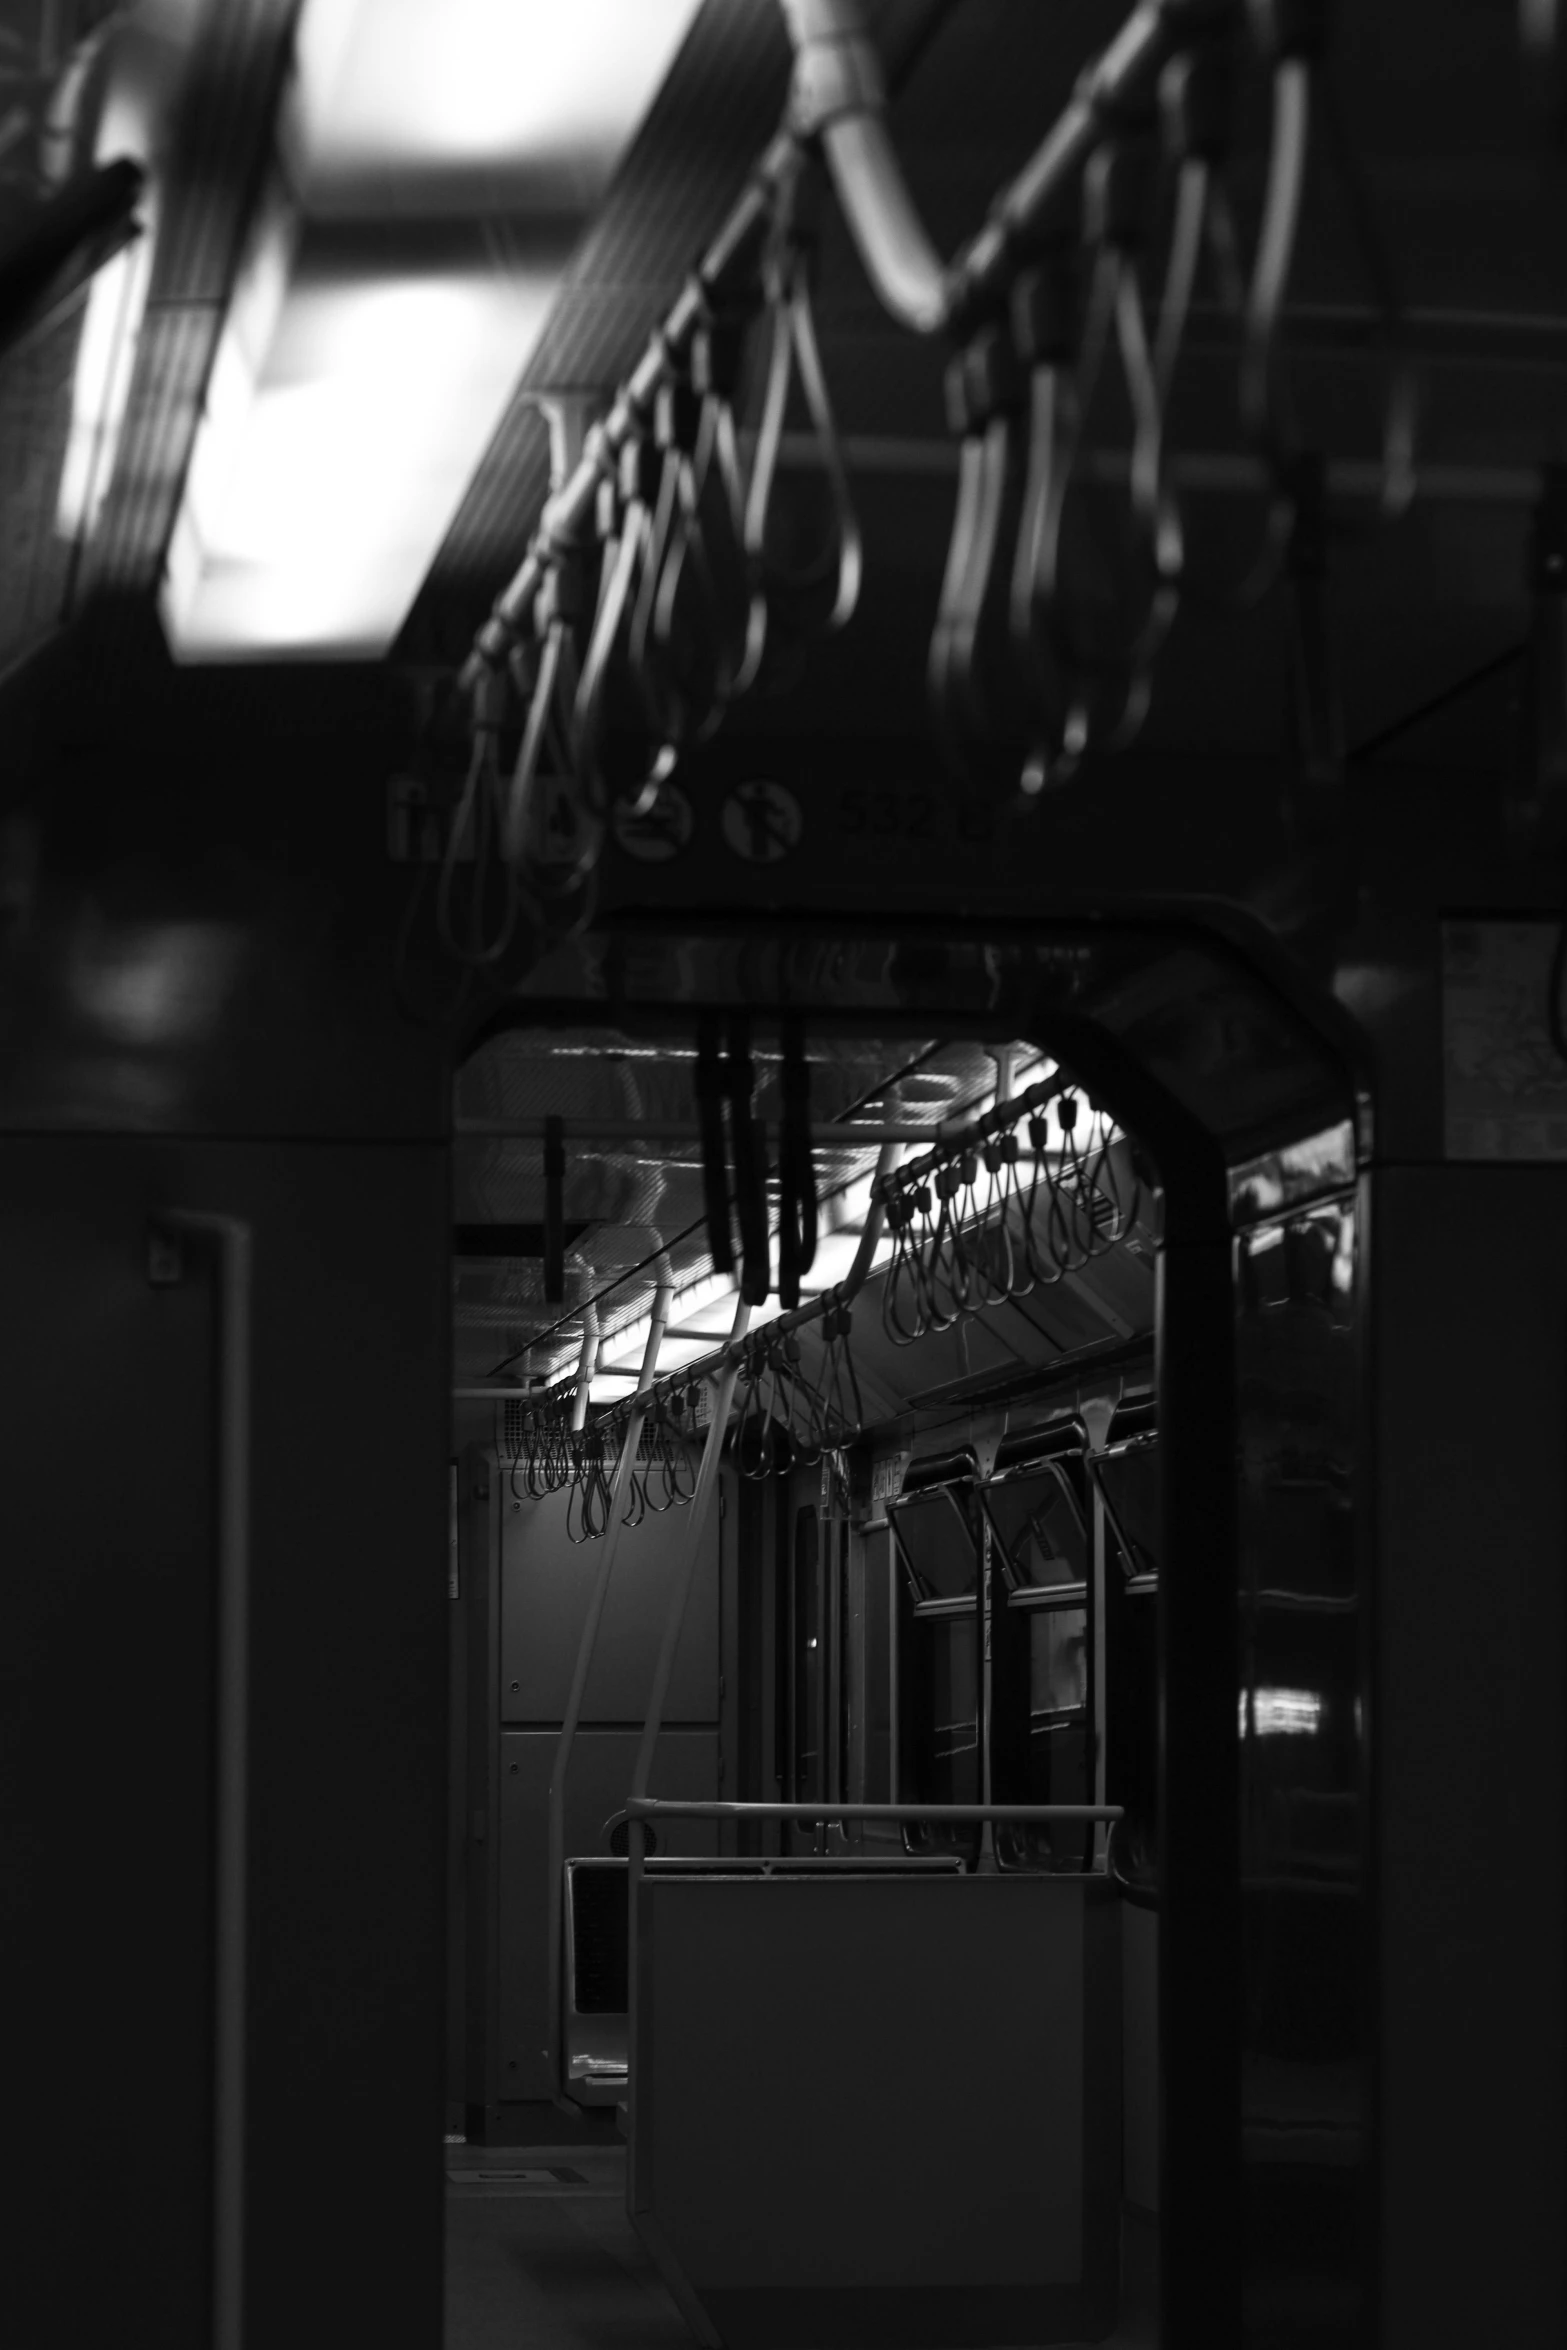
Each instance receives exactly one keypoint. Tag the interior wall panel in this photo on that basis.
(685, 1764)
(546, 1581)
(107, 1531)
(1471, 1733)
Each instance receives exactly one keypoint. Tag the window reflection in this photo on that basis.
(1058, 1661)
(936, 1545)
(1040, 1529)
(1129, 1481)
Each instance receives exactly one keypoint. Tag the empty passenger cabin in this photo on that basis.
(783, 1096)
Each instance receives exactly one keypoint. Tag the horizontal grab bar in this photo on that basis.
(826, 1133)
(641, 1807)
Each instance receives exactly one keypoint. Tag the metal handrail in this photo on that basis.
(958, 1139)
(839, 95)
(728, 1355)
(640, 1809)
(973, 283)
(231, 1238)
(973, 1815)
(696, 1527)
(568, 514)
(588, 1641)
(827, 1131)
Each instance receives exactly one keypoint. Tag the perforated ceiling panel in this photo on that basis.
(638, 1198)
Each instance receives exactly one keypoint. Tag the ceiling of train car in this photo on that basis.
(1464, 191)
(1468, 192)
(1466, 186)
(633, 1200)
(632, 1207)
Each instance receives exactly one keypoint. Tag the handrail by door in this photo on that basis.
(695, 1527)
(647, 1807)
(662, 1298)
(232, 1238)
(640, 1809)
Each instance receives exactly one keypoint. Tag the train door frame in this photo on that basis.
(1141, 1002)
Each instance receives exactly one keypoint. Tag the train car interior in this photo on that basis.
(891, 1589)
(783, 1105)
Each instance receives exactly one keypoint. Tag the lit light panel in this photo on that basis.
(702, 1314)
(140, 56)
(434, 168)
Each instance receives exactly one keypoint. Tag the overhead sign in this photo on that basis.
(888, 1471)
(762, 821)
(659, 834)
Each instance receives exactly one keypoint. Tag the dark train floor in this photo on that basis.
(554, 2264)
(550, 2264)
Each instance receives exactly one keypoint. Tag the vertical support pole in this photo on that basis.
(232, 1713)
(986, 1692)
(554, 1211)
(480, 1535)
(1098, 1604)
(1200, 1972)
(1537, 802)
(561, 1764)
(587, 1364)
(696, 1525)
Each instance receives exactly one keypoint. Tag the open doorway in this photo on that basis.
(936, 1569)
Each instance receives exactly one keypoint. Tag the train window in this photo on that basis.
(1129, 1481)
(940, 1557)
(1041, 1743)
(936, 1545)
(1042, 1746)
(1037, 1522)
(946, 1708)
(880, 1581)
(1058, 1663)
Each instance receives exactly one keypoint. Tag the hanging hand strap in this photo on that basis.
(797, 1209)
(750, 1171)
(715, 1170)
(818, 595)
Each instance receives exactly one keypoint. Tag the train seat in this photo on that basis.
(874, 2110)
(595, 2026)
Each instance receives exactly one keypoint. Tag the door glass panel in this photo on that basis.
(944, 1760)
(1036, 1522)
(1051, 1760)
(1130, 1481)
(951, 1728)
(1058, 1661)
(938, 1550)
(1058, 1770)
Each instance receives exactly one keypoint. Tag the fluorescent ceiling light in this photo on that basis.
(471, 105)
(137, 58)
(434, 168)
(1283, 1712)
(100, 387)
(675, 1351)
(702, 1314)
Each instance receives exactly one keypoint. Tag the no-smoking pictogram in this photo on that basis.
(762, 821)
